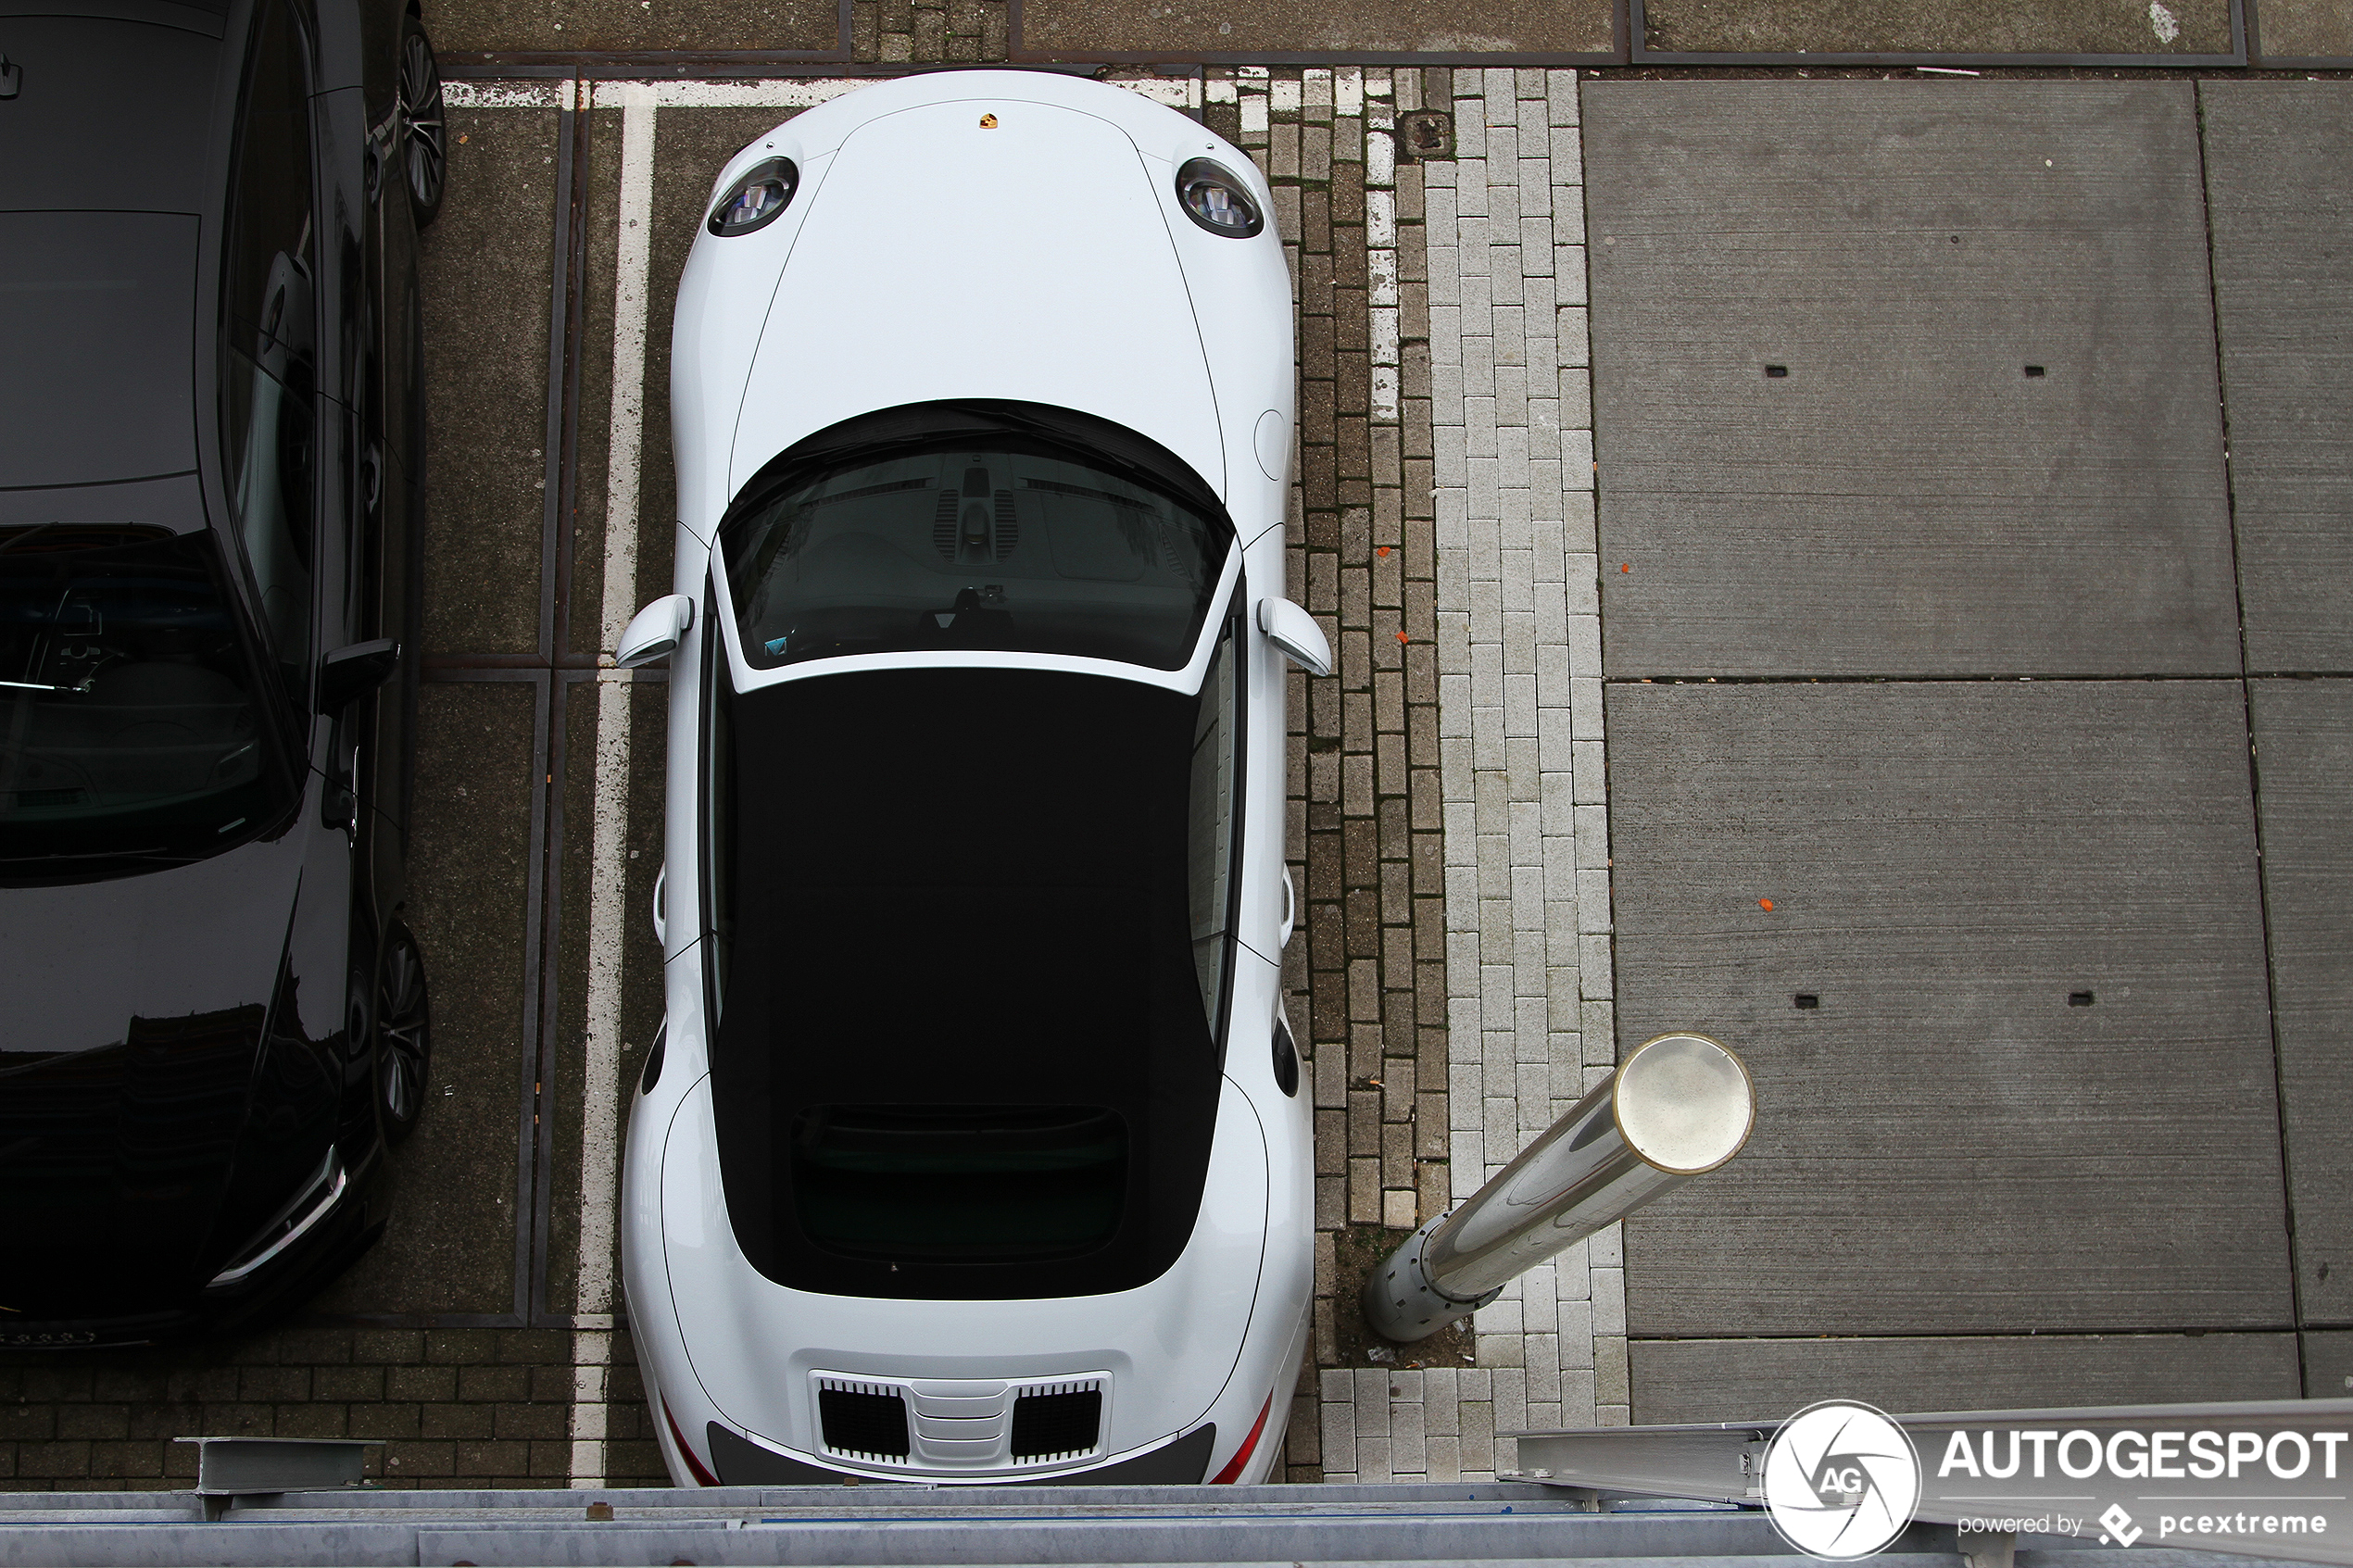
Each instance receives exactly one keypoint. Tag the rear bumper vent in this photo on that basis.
(1057, 1421)
(863, 1420)
(963, 1426)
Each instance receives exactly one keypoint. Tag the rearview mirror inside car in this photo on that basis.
(657, 631)
(1295, 631)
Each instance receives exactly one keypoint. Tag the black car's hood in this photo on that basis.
(129, 1045)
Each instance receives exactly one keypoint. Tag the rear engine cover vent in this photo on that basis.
(1008, 524)
(1057, 1420)
(863, 1420)
(943, 524)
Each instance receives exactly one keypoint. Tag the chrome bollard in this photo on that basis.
(1677, 1107)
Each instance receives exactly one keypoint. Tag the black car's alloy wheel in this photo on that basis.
(423, 130)
(404, 1032)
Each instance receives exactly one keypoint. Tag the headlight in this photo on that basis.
(1217, 200)
(305, 1209)
(753, 201)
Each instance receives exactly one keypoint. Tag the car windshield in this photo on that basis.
(130, 730)
(972, 536)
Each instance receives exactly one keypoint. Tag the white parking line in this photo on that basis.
(508, 94)
(607, 856)
(1380, 99)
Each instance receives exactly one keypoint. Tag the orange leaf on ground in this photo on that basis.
(1765, 904)
(1382, 551)
(1626, 566)
(1400, 636)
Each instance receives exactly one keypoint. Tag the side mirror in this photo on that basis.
(657, 631)
(348, 674)
(1295, 631)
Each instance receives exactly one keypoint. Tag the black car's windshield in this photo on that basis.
(130, 729)
(964, 530)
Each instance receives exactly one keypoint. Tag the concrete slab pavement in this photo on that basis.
(1932, 849)
(2279, 188)
(466, 30)
(1709, 1379)
(2303, 742)
(1191, 30)
(2297, 31)
(1920, 383)
(1939, 27)
(2007, 1011)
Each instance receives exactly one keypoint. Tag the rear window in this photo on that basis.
(946, 1183)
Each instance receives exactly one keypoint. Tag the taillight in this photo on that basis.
(685, 1451)
(1233, 1470)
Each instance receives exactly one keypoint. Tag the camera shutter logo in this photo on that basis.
(1840, 1480)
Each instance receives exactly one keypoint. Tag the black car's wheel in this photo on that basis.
(404, 1033)
(421, 127)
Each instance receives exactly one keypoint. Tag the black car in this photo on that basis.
(212, 1018)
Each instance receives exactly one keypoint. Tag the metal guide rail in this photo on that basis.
(888, 1525)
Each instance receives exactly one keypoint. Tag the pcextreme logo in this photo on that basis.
(1840, 1480)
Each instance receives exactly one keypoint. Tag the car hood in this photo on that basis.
(916, 276)
(128, 1057)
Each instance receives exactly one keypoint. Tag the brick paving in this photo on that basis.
(1366, 973)
(954, 32)
(469, 1407)
(1527, 824)
(1511, 995)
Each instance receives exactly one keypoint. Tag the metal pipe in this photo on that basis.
(1678, 1107)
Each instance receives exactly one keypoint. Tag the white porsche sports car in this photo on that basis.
(974, 1149)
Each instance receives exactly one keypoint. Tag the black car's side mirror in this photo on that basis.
(347, 674)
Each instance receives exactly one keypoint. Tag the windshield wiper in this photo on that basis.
(14, 539)
(174, 855)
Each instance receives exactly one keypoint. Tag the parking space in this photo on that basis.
(450, 1248)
